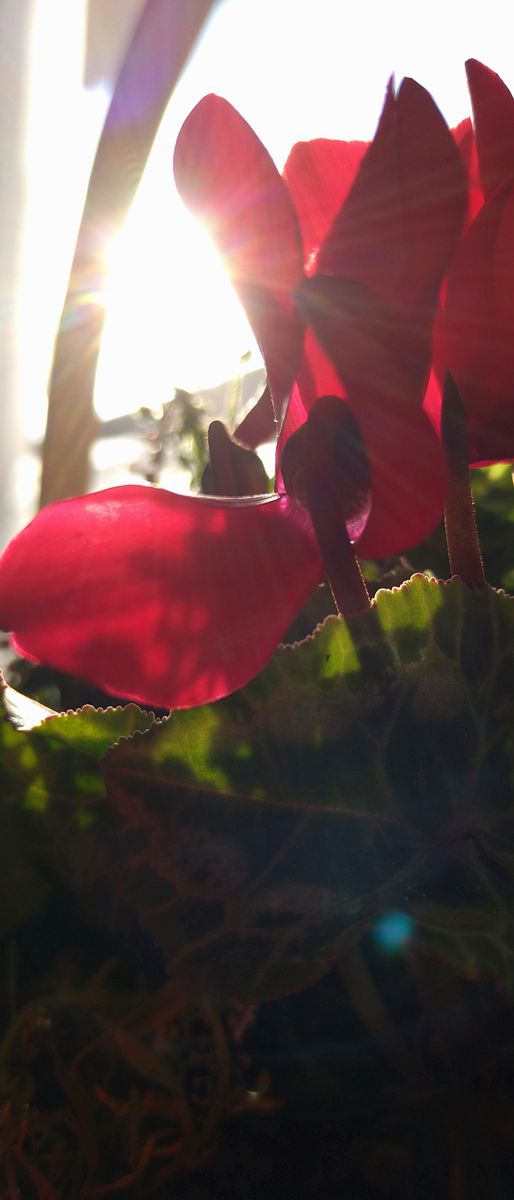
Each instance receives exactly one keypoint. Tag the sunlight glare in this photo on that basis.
(173, 318)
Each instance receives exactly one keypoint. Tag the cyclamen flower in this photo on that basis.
(475, 330)
(339, 264)
(177, 600)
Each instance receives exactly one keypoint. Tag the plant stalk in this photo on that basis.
(344, 574)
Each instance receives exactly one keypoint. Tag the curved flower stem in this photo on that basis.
(344, 574)
(459, 515)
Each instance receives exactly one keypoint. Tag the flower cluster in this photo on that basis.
(369, 273)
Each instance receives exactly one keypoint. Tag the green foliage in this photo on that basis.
(52, 792)
(494, 504)
(368, 770)
(494, 499)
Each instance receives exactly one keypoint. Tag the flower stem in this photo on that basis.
(344, 574)
(459, 515)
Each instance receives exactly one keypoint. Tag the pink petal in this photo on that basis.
(228, 179)
(398, 226)
(319, 175)
(493, 112)
(164, 599)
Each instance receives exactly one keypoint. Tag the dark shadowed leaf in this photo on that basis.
(22, 885)
(366, 771)
(52, 809)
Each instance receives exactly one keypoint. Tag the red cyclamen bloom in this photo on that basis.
(475, 330)
(339, 264)
(177, 600)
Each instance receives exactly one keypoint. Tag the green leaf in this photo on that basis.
(22, 885)
(92, 731)
(367, 770)
(494, 501)
(53, 805)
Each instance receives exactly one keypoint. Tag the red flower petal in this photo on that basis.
(228, 179)
(465, 141)
(380, 357)
(319, 175)
(369, 341)
(259, 425)
(398, 226)
(493, 112)
(408, 476)
(475, 331)
(168, 600)
(316, 377)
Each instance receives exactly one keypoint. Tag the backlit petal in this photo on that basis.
(165, 599)
(464, 138)
(316, 377)
(493, 112)
(408, 476)
(229, 180)
(259, 425)
(398, 226)
(369, 341)
(319, 175)
(380, 363)
(475, 332)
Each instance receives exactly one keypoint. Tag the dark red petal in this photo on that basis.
(464, 138)
(259, 425)
(168, 600)
(328, 453)
(377, 357)
(474, 336)
(493, 112)
(231, 469)
(316, 377)
(228, 179)
(295, 417)
(370, 342)
(319, 175)
(398, 227)
(408, 476)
